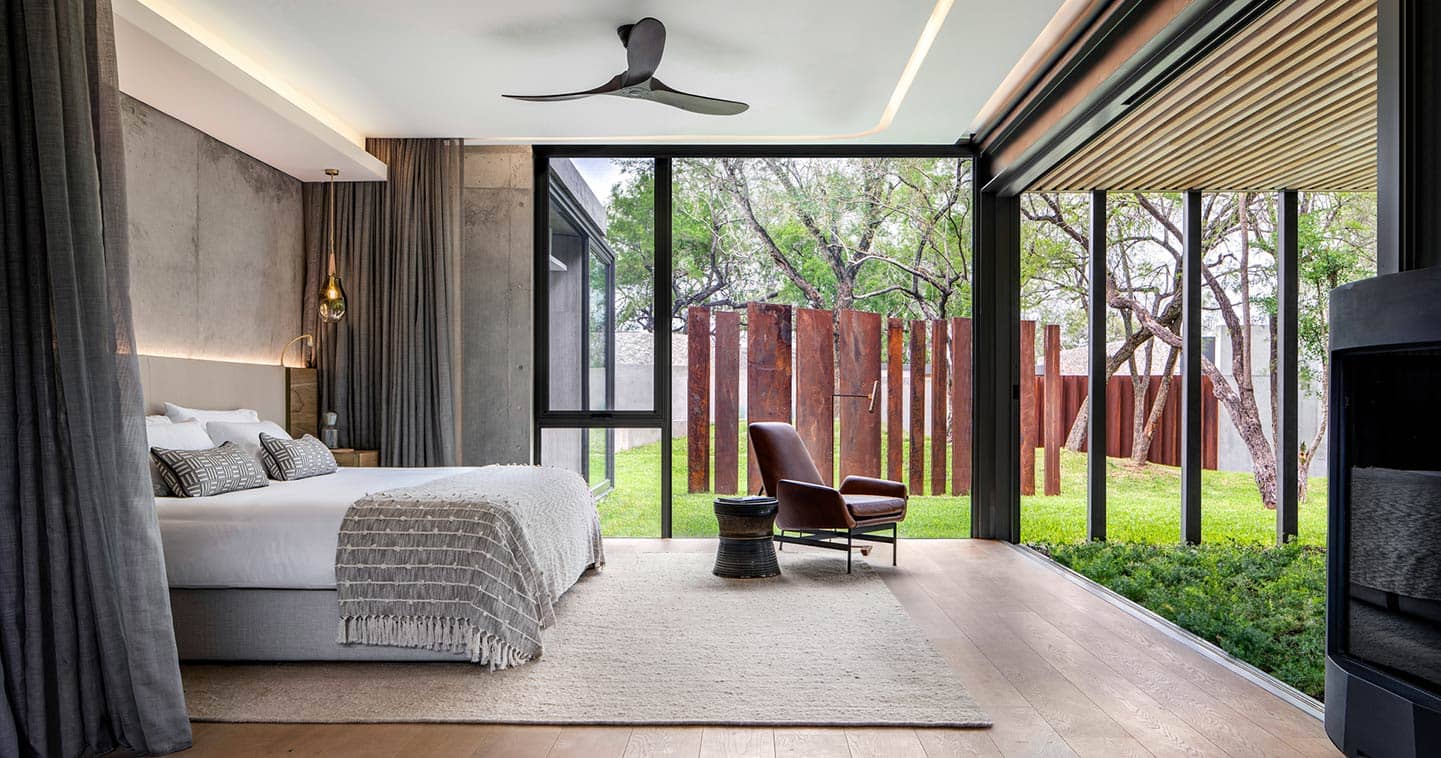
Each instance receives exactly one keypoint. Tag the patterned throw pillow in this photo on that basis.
(201, 473)
(288, 460)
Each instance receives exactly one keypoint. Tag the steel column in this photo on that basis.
(1096, 375)
(1288, 442)
(1191, 415)
(996, 317)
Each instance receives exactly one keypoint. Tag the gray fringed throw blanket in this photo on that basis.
(472, 563)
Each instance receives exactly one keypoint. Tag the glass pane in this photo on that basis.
(1143, 468)
(1054, 307)
(601, 284)
(1238, 324)
(622, 467)
(801, 266)
(602, 328)
(1337, 246)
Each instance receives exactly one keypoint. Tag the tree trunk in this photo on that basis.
(1140, 382)
(1142, 449)
(1077, 435)
(1240, 406)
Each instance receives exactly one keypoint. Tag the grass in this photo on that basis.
(1262, 604)
(1266, 606)
(1143, 504)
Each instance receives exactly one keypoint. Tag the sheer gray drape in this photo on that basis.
(386, 367)
(87, 653)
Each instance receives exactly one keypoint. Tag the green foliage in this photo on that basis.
(882, 220)
(1264, 605)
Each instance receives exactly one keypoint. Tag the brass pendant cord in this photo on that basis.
(330, 222)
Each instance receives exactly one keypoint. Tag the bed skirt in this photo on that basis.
(271, 625)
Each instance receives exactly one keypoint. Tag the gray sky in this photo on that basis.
(601, 174)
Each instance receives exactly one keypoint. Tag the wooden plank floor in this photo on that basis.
(1061, 672)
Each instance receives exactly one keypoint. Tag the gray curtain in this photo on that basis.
(386, 368)
(87, 653)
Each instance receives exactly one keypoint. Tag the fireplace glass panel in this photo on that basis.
(1392, 418)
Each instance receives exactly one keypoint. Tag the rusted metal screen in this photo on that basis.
(697, 444)
(1120, 428)
(768, 371)
(895, 398)
(939, 395)
(961, 406)
(727, 401)
(815, 378)
(918, 407)
(1029, 436)
(1055, 418)
(859, 374)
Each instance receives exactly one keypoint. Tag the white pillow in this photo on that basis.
(180, 413)
(181, 435)
(246, 435)
(157, 419)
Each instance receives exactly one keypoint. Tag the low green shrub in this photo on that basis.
(1264, 605)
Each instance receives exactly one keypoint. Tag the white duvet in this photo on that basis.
(278, 537)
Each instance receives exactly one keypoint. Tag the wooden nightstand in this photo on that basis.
(349, 456)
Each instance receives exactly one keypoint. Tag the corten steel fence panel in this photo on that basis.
(939, 378)
(895, 398)
(727, 401)
(918, 406)
(768, 372)
(961, 406)
(1120, 404)
(1054, 429)
(815, 380)
(697, 325)
(1029, 429)
(859, 374)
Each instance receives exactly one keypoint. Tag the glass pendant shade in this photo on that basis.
(332, 295)
(332, 299)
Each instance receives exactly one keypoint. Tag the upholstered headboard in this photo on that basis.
(196, 383)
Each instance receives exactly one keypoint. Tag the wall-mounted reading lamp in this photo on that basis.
(304, 356)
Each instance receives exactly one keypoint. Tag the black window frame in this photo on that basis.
(659, 416)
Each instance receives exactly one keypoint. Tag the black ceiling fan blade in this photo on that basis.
(710, 106)
(605, 89)
(644, 44)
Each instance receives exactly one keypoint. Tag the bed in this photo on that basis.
(253, 573)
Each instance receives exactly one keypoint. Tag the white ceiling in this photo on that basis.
(812, 70)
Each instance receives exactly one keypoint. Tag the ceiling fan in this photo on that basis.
(644, 43)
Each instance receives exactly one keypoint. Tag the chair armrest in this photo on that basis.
(804, 505)
(865, 485)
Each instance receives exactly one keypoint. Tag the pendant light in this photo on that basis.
(332, 295)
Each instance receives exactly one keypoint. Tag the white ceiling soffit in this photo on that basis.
(813, 71)
(175, 68)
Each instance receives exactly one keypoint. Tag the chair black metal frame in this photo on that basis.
(823, 537)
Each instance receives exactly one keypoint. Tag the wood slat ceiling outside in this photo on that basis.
(1288, 103)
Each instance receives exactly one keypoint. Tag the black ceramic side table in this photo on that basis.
(746, 525)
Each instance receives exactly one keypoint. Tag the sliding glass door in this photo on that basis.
(597, 381)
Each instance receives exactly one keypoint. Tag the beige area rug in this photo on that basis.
(654, 638)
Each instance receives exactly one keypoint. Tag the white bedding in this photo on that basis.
(278, 537)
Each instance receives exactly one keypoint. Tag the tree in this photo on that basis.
(886, 235)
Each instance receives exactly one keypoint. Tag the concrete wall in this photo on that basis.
(496, 325)
(1232, 454)
(216, 243)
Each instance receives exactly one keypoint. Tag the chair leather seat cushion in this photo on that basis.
(873, 506)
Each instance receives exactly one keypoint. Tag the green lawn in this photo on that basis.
(1143, 504)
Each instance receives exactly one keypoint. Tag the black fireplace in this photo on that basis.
(1383, 642)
